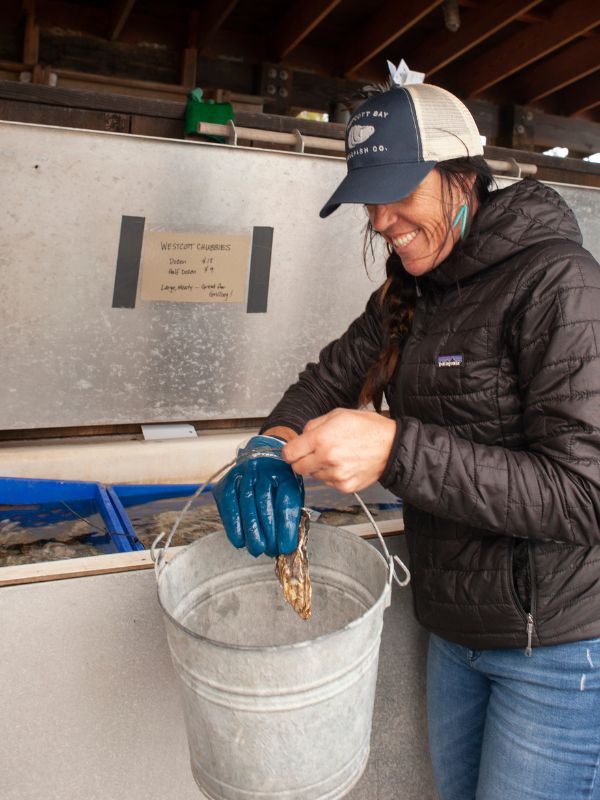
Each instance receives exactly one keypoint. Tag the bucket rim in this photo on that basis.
(374, 608)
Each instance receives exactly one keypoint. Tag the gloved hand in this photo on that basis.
(260, 498)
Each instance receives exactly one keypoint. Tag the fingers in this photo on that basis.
(260, 503)
(316, 435)
(263, 494)
(226, 498)
(253, 534)
(314, 423)
(289, 500)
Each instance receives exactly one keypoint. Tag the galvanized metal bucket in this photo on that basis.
(275, 706)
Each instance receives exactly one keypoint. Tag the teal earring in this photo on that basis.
(463, 213)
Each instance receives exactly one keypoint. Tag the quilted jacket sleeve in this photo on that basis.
(551, 490)
(336, 379)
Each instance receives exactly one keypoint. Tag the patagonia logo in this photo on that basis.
(449, 361)
(359, 134)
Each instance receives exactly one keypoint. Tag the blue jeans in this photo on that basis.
(503, 726)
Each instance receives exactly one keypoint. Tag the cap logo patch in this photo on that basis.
(359, 134)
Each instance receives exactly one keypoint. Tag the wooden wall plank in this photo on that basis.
(14, 111)
(534, 128)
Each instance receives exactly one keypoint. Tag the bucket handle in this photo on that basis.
(392, 574)
(159, 556)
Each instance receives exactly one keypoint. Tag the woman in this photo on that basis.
(485, 341)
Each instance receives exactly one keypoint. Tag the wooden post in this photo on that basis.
(31, 42)
(189, 67)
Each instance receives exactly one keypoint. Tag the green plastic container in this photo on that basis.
(199, 110)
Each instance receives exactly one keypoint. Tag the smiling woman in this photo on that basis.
(484, 341)
(417, 227)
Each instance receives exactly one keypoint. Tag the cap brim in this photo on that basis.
(384, 183)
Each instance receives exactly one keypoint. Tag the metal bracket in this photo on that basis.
(299, 144)
(232, 135)
(515, 171)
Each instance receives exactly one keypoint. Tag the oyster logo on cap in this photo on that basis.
(359, 134)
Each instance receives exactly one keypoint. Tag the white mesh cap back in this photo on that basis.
(446, 126)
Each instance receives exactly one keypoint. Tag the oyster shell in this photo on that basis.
(292, 571)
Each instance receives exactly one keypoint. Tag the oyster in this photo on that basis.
(292, 571)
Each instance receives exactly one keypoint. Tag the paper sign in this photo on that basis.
(193, 267)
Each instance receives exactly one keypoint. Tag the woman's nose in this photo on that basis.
(380, 216)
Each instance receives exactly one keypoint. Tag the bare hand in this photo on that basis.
(345, 449)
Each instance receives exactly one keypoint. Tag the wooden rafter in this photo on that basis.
(581, 96)
(570, 20)
(300, 20)
(211, 16)
(579, 60)
(120, 11)
(477, 25)
(384, 27)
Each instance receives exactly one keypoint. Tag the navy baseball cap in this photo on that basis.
(395, 138)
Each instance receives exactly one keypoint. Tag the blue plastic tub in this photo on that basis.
(31, 505)
(137, 505)
(149, 509)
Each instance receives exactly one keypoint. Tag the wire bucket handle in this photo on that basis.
(159, 555)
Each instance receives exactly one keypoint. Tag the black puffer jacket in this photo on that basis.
(497, 450)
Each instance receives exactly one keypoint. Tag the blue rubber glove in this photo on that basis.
(260, 499)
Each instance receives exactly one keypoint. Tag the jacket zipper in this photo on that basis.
(527, 615)
(532, 599)
(528, 650)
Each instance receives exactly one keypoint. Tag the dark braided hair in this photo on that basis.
(398, 294)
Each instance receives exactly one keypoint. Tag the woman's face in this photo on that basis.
(417, 227)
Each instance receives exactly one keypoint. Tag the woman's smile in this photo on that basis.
(403, 240)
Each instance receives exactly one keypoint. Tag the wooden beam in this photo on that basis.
(581, 96)
(42, 97)
(31, 39)
(570, 20)
(121, 9)
(551, 168)
(477, 25)
(301, 19)
(579, 60)
(12, 66)
(535, 128)
(211, 16)
(116, 80)
(189, 67)
(383, 28)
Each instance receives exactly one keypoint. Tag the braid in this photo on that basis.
(397, 297)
